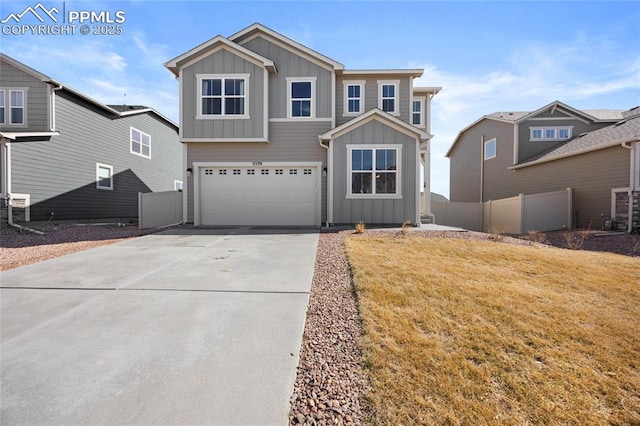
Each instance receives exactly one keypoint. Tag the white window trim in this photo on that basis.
(176, 183)
(140, 154)
(3, 95)
(554, 128)
(201, 116)
(423, 102)
(290, 100)
(345, 85)
(399, 165)
(396, 100)
(7, 105)
(104, 166)
(495, 150)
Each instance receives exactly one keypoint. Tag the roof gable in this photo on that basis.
(380, 116)
(257, 30)
(565, 109)
(213, 45)
(491, 117)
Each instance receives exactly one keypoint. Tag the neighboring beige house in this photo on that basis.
(275, 133)
(594, 152)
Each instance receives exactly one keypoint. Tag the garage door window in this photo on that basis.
(373, 172)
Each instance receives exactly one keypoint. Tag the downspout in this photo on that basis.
(53, 104)
(482, 169)
(329, 189)
(632, 183)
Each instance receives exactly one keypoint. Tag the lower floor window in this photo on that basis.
(373, 171)
(104, 176)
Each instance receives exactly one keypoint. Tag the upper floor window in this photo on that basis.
(550, 133)
(417, 116)
(12, 107)
(373, 171)
(140, 143)
(223, 96)
(301, 97)
(353, 97)
(177, 185)
(388, 96)
(490, 149)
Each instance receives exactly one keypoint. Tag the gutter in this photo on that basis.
(329, 186)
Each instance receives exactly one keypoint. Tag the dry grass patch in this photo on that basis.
(477, 332)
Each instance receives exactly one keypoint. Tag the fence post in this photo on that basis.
(140, 210)
(570, 208)
(522, 218)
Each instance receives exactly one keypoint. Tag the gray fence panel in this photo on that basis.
(157, 209)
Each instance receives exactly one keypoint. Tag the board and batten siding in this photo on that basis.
(289, 142)
(375, 211)
(37, 100)
(371, 94)
(591, 176)
(467, 162)
(223, 62)
(291, 65)
(60, 174)
(528, 149)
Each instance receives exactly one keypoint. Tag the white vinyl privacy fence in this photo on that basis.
(516, 215)
(157, 209)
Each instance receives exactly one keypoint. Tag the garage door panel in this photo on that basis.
(274, 195)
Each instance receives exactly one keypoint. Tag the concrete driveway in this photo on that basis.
(182, 327)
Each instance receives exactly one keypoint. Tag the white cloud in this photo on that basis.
(532, 76)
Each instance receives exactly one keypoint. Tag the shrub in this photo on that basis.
(360, 228)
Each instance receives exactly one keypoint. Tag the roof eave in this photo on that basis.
(635, 138)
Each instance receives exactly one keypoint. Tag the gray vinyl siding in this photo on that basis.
(291, 65)
(591, 175)
(371, 95)
(375, 211)
(60, 174)
(528, 149)
(223, 62)
(36, 99)
(467, 162)
(289, 142)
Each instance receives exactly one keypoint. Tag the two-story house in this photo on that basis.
(64, 155)
(594, 152)
(275, 133)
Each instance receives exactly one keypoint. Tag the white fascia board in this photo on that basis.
(426, 90)
(14, 135)
(288, 43)
(417, 72)
(207, 48)
(376, 114)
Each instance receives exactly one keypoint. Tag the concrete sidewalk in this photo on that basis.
(182, 327)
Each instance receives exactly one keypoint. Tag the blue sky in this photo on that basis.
(487, 56)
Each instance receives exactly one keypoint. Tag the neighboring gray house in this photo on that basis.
(67, 155)
(275, 133)
(594, 152)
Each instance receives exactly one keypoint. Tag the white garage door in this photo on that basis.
(259, 195)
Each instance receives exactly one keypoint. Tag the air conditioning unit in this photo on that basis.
(20, 207)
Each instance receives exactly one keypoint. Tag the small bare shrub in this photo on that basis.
(406, 226)
(495, 233)
(636, 247)
(537, 237)
(360, 228)
(574, 239)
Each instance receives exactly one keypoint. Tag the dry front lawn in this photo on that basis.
(480, 332)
